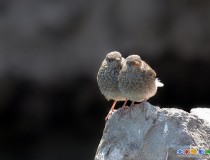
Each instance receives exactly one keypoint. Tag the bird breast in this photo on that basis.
(108, 83)
(136, 86)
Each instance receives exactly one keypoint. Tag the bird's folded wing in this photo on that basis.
(148, 69)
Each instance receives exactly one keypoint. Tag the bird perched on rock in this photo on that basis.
(107, 78)
(137, 80)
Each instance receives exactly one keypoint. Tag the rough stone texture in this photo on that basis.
(147, 132)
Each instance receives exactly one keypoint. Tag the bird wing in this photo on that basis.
(148, 69)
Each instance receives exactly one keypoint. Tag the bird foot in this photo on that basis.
(124, 108)
(132, 107)
(143, 102)
(109, 114)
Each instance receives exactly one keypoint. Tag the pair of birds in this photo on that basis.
(121, 79)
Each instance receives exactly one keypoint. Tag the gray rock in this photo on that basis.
(147, 132)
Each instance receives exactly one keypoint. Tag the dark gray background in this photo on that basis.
(50, 52)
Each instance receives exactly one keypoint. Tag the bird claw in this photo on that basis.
(124, 108)
(109, 114)
(107, 117)
(132, 107)
(143, 102)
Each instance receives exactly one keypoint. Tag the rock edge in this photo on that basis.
(147, 132)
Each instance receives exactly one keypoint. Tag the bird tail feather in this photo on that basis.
(158, 83)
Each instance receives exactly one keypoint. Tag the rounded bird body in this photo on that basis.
(107, 77)
(137, 80)
(108, 83)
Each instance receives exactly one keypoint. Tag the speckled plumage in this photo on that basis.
(107, 76)
(137, 80)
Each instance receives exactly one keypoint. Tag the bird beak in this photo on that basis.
(137, 63)
(118, 59)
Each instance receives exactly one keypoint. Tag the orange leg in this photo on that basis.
(124, 107)
(143, 102)
(111, 110)
(124, 104)
(132, 104)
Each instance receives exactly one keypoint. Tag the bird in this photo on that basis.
(137, 80)
(107, 79)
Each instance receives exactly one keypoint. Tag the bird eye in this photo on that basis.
(110, 60)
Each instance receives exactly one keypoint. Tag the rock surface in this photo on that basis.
(147, 132)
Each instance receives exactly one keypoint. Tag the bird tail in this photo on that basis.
(158, 83)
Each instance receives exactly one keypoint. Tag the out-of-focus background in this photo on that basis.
(50, 52)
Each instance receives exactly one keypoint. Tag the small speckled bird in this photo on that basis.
(137, 80)
(107, 78)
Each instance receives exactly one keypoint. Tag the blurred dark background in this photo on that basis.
(50, 52)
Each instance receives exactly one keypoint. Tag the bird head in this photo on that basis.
(113, 58)
(134, 61)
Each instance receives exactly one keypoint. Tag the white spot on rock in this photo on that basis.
(165, 128)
